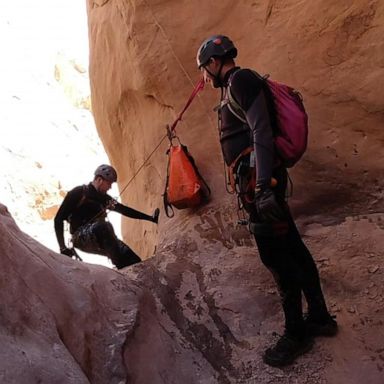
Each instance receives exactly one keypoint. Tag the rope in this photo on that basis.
(142, 165)
(169, 43)
(170, 130)
(198, 87)
(161, 29)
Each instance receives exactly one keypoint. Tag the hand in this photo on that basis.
(267, 207)
(67, 251)
(155, 215)
(111, 204)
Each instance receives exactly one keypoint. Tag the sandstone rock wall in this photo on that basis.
(61, 322)
(203, 310)
(142, 68)
(200, 312)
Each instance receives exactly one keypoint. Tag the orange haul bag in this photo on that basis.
(185, 188)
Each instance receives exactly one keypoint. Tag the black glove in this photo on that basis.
(155, 215)
(267, 207)
(67, 251)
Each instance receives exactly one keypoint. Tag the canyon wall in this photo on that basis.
(142, 69)
(204, 308)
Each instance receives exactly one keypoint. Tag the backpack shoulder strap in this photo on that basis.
(167, 205)
(233, 105)
(81, 201)
(83, 196)
(192, 161)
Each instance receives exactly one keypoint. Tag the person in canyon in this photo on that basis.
(279, 243)
(85, 208)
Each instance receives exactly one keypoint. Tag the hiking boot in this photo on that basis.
(286, 350)
(155, 215)
(321, 327)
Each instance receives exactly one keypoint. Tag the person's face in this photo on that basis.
(102, 185)
(210, 71)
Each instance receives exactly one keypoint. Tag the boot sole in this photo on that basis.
(323, 332)
(279, 363)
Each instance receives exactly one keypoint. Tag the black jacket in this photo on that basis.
(250, 93)
(84, 204)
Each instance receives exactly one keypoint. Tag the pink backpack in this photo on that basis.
(291, 120)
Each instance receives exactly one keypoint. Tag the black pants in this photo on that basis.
(284, 253)
(100, 238)
(295, 272)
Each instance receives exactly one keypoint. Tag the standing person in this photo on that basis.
(279, 243)
(85, 208)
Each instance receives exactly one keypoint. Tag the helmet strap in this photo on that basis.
(217, 77)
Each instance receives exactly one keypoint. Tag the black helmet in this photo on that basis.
(106, 172)
(215, 46)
